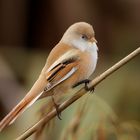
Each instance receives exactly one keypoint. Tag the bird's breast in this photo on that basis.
(88, 63)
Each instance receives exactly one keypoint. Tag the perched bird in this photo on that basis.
(69, 64)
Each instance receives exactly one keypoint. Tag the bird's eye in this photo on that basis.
(84, 37)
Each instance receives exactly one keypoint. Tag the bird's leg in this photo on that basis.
(86, 82)
(57, 108)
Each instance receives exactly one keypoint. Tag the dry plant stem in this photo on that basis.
(115, 67)
(79, 94)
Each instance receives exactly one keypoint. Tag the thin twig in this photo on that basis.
(79, 94)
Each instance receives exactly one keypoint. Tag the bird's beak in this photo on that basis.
(92, 43)
(93, 40)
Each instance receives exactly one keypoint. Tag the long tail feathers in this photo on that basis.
(16, 111)
(56, 74)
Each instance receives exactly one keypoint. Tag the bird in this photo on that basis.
(70, 63)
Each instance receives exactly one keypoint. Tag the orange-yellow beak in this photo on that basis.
(93, 40)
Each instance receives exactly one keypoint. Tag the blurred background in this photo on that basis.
(28, 31)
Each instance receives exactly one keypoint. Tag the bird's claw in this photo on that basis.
(86, 82)
(57, 109)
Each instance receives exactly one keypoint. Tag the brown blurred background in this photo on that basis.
(30, 28)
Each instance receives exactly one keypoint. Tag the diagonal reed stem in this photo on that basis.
(79, 94)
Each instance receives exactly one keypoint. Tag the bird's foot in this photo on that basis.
(86, 82)
(57, 108)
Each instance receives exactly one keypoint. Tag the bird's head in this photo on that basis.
(80, 35)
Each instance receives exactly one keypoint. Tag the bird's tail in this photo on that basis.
(27, 101)
(33, 95)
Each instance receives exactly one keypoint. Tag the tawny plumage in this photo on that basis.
(72, 60)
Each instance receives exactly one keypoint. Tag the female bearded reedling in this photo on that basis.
(69, 64)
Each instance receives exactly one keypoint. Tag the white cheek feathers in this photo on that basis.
(89, 47)
(79, 44)
(85, 45)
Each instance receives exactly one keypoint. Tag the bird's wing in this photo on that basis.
(63, 68)
(59, 71)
